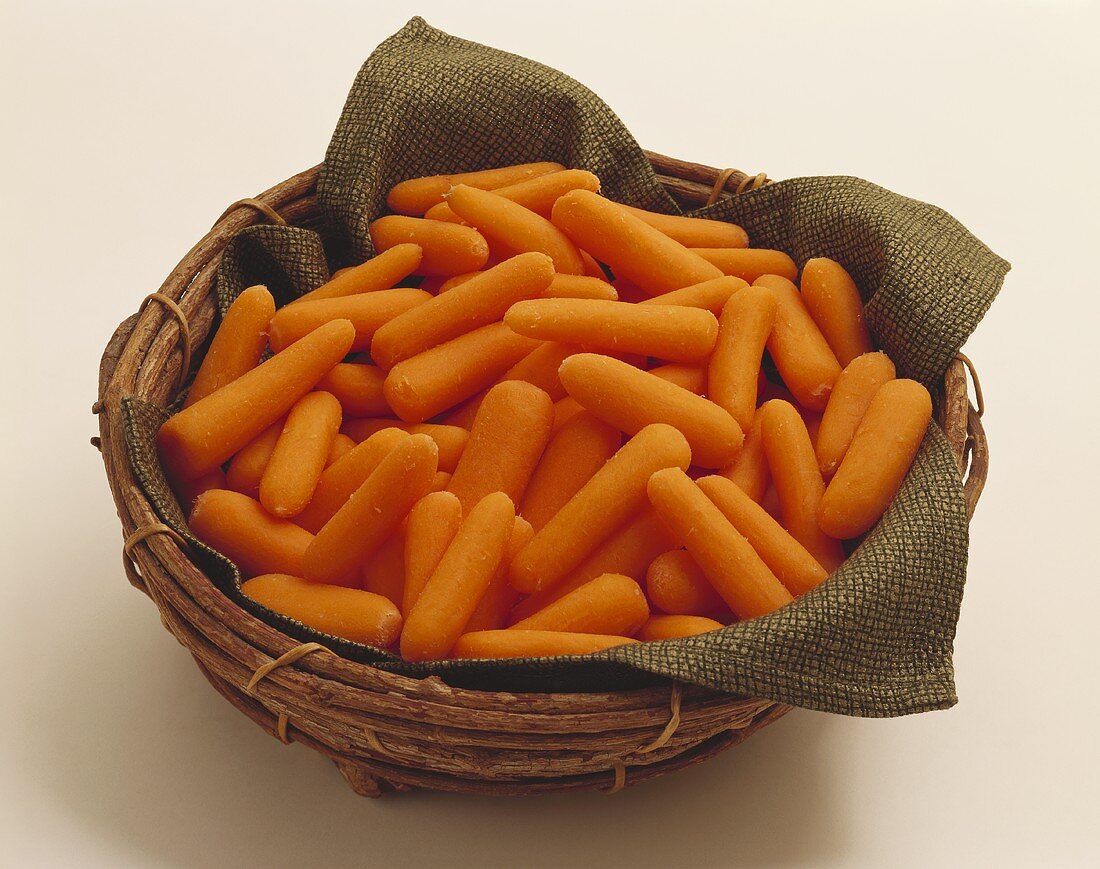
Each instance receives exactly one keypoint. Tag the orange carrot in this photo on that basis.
(374, 511)
(833, 300)
(441, 481)
(417, 195)
(201, 437)
(378, 273)
(603, 504)
(187, 491)
(507, 438)
(743, 329)
(432, 524)
(694, 231)
(450, 439)
(561, 287)
(564, 411)
(499, 598)
(727, 560)
(248, 466)
(384, 572)
(609, 604)
(355, 615)
(459, 580)
(633, 249)
(692, 377)
(668, 332)
(851, 395)
(537, 194)
(540, 368)
(358, 388)
(797, 480)
(448, 248)
(882, 450)
(711, 295)
(749, 263)
(532, 644)
(366, 311)
(237, 344)
(674, 627)
(750, 468)
(341, 446)
(807, 365)
(677, 586)
(478, 302)
(630, 399)
(299, 456)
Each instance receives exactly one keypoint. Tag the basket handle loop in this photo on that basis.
(140, 534)
(619, 766)
(256, 204)
(747, 182)
(283, 660)
(185, 336)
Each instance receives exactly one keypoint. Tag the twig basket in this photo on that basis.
(387, 732)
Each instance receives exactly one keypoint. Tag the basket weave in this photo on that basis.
(387, 732)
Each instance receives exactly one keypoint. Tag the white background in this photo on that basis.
(127, 128)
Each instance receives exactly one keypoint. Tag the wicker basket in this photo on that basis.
(386, 732)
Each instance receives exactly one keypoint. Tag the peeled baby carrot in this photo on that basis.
(507, 223)
(458, 281)
(431, 526)
(694, 231)
(532, 644)
(668, 332)
(749, 469)
(537, 194)
(237, 344)
(609, 604)
(628, 551)
(358, 388)
(633, 249)
(430, 382)
(882, 450)
(630, 399)
(247, 467)
(440, 482)
(366, 311)
(448, 248)
(805, 362)
(711, 295)
(339, 481)
(743, 330)
(499, 598)
(417, 195)
(614, 494)
(788, 559)
(459, 580)
(373, 511)
(674, 627)
(384, 572)
(540, 368)
(797, 480)
(341, 446)
(564, 410)
(727, 560)
(851, 395)
(592, 268)
(187, 491)
(749, 263)
(355, 615)
(380, 272)
(834, 302)
(300, 454)
(570, 460)
(692, 377)
(450, 439)
(677, 586)
(478, 302)
(199, 438)
(507, 438)
(242, 530)
(561, 287)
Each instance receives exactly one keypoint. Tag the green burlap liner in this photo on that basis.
(876, 638)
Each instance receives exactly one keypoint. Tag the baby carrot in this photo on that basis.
(609, 604)
(187, 491)
(355, 615)
(677, 586)
(373, 511)
(749, 263)
(431, 526)
(797, 480)
(749, 469)
(603, 504)
(384, 572)
(692, 377)
(674, 627)
(832, 298)
(631, 399)
(450, 439)
(851, 395)
(417, 195)
(537, 194)
(237, 344)
(711, 295)
(570, 460)
(564, 410)
(507, 223)
(633, 249)
(341, 446)
(668, 332)
(882, 450)
(247, 467)
(437, 379)
(540, 368)
(459, 580)
(241, 530)
(380, 272)
(499, 598)
(805, 362)
(743, 329)
(299, 456)
(788, 559)
(441, 481)
(727, 560)
(694, 231)
(532, 644)
(478, 302)
(448, 248)
(366, 311)
(201, 437)
(561, 287)
(358, 388)
(507, 438)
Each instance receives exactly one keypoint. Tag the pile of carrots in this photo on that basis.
(478, 444)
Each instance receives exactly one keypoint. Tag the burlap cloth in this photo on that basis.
(873, 640)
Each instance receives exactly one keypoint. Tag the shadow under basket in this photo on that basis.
(387, 732)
